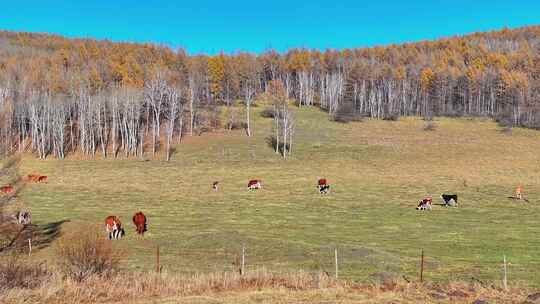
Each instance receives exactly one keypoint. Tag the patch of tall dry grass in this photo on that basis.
(129, 287)
(85, 252)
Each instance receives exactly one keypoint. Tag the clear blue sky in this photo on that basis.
(229, 26)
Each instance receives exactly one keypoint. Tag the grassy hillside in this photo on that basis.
(378, 171)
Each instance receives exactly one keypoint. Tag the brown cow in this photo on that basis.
(113, 226)
(7, 189)
(215, 186)
(254, 184)
(425, 204)
(42, 179)
(32, 177)
(140, 222)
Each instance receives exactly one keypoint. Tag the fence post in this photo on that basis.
(243, 259)
(336, 262)
(29, 247)
(158, 268)
(505, 282)
(422, 267)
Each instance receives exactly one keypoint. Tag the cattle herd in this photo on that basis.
(36, 178)
(115, 230)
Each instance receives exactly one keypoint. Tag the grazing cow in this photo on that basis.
(42, 179)
(113, 226)
(7, 189)
(425, 204)
(23, 217)
(324, 189)
(519, 192)
(254, 184)
(323, 186)
(215, 186)
(450, 199)
(32, 177)
(140, 222)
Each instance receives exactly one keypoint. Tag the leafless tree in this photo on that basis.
(174, 111)
(249, 92)
(155, 90)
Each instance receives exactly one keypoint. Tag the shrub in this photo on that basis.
(346, 117)
(346, 113)
(236, 125)
(268, 113)
(87, 252)
(391, 117)
(16, 272)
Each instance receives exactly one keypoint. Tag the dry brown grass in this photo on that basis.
(84, 252)
(256, 287)
(17, 272)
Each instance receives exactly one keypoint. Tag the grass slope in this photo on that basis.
(378, 171)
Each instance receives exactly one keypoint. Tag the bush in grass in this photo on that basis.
(268, 113)
(87, 252)
(391, 117)
(18, 272)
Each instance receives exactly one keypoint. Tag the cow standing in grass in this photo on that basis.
(139, 219)
(425, 204)
(519, 192)
(254, 184)
(323, 186)
(113, 226)
(32, 177)
(7, 189)
(450, 199)
(42, 179)
(215, 186)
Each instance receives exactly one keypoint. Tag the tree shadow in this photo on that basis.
(44, 235)
(272, 142)
(172, 151)
(41, 236)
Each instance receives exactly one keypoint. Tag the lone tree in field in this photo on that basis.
(283, 119)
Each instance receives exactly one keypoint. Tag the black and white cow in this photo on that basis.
(450, 199)
(324, 189)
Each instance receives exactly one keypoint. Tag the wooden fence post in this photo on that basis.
(158, 268)
(422, 267)
(242, 271)
(505, 282)
(336, 262)
(29, 247)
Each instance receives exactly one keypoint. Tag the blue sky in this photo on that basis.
(230, 26)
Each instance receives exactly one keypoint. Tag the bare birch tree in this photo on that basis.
(175, 109)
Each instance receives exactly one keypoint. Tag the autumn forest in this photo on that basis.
(60, 95)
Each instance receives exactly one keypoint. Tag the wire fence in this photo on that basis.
(344, 262)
